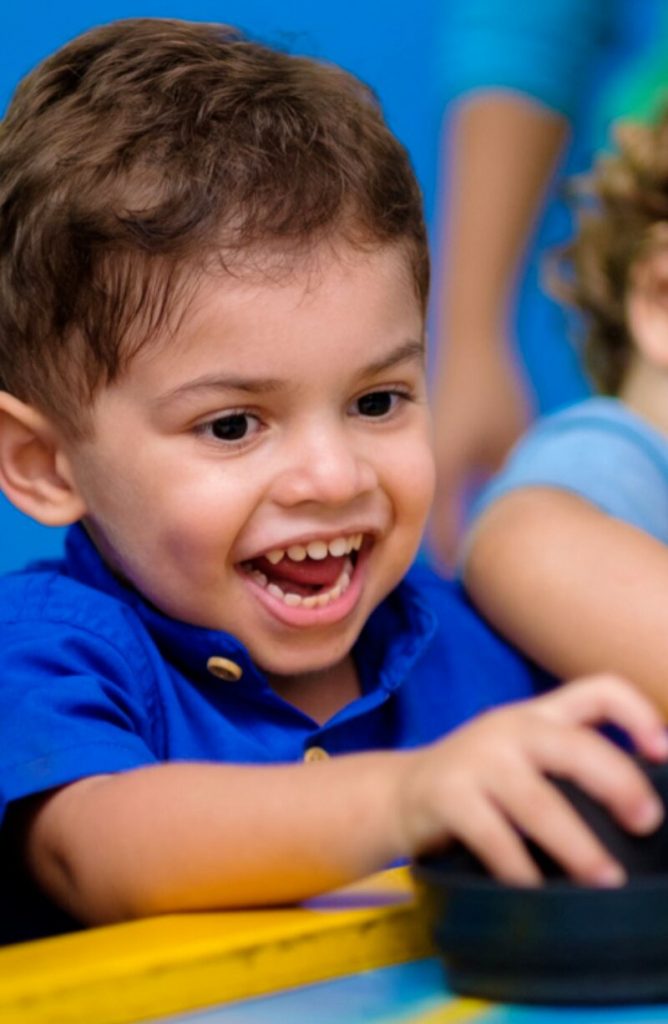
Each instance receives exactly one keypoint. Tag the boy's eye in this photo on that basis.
(236, 426)
(377, 403)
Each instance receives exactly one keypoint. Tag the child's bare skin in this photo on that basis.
(189, 837)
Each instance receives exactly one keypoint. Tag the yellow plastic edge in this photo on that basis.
(147, 969)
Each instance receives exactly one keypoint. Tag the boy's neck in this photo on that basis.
(320, 694)
(645, 390)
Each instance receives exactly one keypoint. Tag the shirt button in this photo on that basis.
(225, 669)
(316, 754)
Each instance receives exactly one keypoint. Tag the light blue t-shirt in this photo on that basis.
(598, 449)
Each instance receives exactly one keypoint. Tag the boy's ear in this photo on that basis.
(647, 307)
(34, 470)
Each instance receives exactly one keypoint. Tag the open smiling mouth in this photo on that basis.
(312, 575)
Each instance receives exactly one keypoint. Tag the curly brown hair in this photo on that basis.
(146, 150)
(622, 216)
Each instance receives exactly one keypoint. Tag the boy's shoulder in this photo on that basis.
(443, 596)
(45, 598)
(464, 645)
(455, 618)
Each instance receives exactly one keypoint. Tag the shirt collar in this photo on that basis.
(394, 638)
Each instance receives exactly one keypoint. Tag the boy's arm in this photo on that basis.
(193, 836)
(181, 836)
(576, 589)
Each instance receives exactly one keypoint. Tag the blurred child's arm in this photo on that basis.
(501, 148)
(576, 589)
(183, 836)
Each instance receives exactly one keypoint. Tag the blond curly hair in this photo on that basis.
(622, 216)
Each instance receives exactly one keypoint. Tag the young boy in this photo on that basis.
(568, 557)
(212, 287)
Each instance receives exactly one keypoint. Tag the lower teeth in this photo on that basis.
(325, 597)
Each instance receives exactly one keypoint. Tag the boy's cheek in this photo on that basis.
(419, 473)
(415, 482)
(425, 490)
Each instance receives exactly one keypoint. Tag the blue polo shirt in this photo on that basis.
(95, 680)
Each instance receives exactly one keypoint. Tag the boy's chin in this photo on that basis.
(303, 667)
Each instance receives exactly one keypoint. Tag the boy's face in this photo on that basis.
(238, 465)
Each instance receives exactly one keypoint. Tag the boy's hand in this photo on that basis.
(485, 784)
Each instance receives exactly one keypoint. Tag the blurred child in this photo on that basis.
(568, 557)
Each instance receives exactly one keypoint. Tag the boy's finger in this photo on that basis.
(545, 816)
(610, 699)
(496, 843)
(603, 770)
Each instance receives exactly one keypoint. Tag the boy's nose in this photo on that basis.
(325, 469)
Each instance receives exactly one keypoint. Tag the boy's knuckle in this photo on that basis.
(482, 833)
(499, 723)
(592, 863)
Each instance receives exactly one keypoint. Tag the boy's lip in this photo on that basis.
(300, 616)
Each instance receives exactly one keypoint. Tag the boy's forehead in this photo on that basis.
(249, 312)
(287, 282)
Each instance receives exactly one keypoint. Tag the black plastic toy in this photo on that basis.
(562, 942)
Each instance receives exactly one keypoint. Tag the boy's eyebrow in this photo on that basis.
(407, 350)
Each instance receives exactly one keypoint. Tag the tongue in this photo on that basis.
(311, 573)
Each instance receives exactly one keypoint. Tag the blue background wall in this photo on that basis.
(389, 43)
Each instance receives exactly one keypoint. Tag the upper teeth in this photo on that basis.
(317, 549)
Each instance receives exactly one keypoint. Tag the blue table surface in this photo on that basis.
(406, 994)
